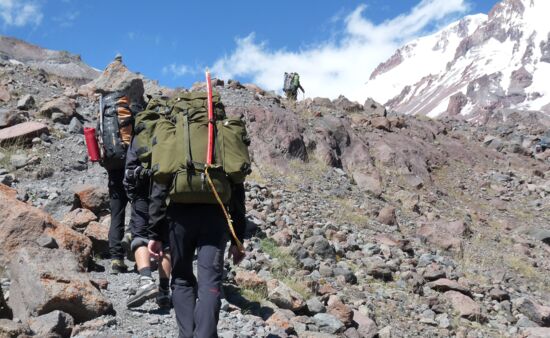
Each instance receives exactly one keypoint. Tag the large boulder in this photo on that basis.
(22, 132)
(61, 109)
(45, 280)
(92, 197)
(21, 225)
(446, 235)
(54, 324)
(277, 135)
(10, 117)
(116, 78)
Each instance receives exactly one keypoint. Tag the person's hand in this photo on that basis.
(155, 249)
(237, 254)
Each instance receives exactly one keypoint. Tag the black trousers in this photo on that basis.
(118, 202)
(201, 228)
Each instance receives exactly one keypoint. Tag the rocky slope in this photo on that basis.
(361, 223)
(483, 63)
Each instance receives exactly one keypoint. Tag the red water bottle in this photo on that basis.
(91, 144)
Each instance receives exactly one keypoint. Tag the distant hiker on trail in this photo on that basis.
(137, 181)
(206, 202)
(291, 86)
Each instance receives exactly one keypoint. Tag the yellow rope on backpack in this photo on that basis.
(227, 216)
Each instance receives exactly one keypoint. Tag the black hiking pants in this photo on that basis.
(201, 228)
(118, 202)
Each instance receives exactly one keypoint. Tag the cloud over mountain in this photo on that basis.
(337, 66)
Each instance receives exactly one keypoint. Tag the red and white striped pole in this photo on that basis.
(210, 150)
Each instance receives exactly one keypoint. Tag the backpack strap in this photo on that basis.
(188, 155)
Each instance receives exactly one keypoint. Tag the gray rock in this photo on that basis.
(314, 306)
(75, 126)
(53, 323)
(328, 323)
(47, 242)
(10, 329)
(285, 298)
(26, 102)
(348, 275)
(19, 160)
(536, 312)
(323, 248)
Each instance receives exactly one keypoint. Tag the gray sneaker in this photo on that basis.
(147, 289)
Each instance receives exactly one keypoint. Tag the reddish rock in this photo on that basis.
(456, 103)
(326, 289)
(381, 122)
(21, 225)
(464, 305)
(45, 280)
(249, 279)
(366, 327)
(340, 310)
(446, 235)
(22, 132)
(101, 284)
(444, 285)
(281, 318)
(4, 94)
(98, 233)
(369, 181)
(387, 216)
(93, 198)
(79, 218)
(282, 238)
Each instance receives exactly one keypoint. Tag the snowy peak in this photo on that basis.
(480, 64)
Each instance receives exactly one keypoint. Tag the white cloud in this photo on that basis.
(20, 13)
(177, 70)
(67, 19)
(342, 66)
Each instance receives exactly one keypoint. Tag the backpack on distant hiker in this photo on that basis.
(115, 129)
(174, 135)
(295, 81)
(287, 86)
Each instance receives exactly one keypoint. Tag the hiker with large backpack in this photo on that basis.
(199, 159)
(137, 182)
(291, 86)
(114, 133)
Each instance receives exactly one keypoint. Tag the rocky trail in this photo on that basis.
(361, 222)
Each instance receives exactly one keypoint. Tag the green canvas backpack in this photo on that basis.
(179, 145)
(145, 124)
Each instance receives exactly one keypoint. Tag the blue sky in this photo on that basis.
(175, 41)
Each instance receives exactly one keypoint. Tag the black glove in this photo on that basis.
(131, 181)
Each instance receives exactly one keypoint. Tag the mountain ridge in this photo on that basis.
(500, 62)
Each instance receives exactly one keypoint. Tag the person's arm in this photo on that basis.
(157, 209)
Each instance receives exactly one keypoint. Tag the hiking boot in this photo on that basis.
(147, 289)
(164, 300)
(118, 266)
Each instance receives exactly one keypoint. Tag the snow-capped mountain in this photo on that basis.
(482, 63)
